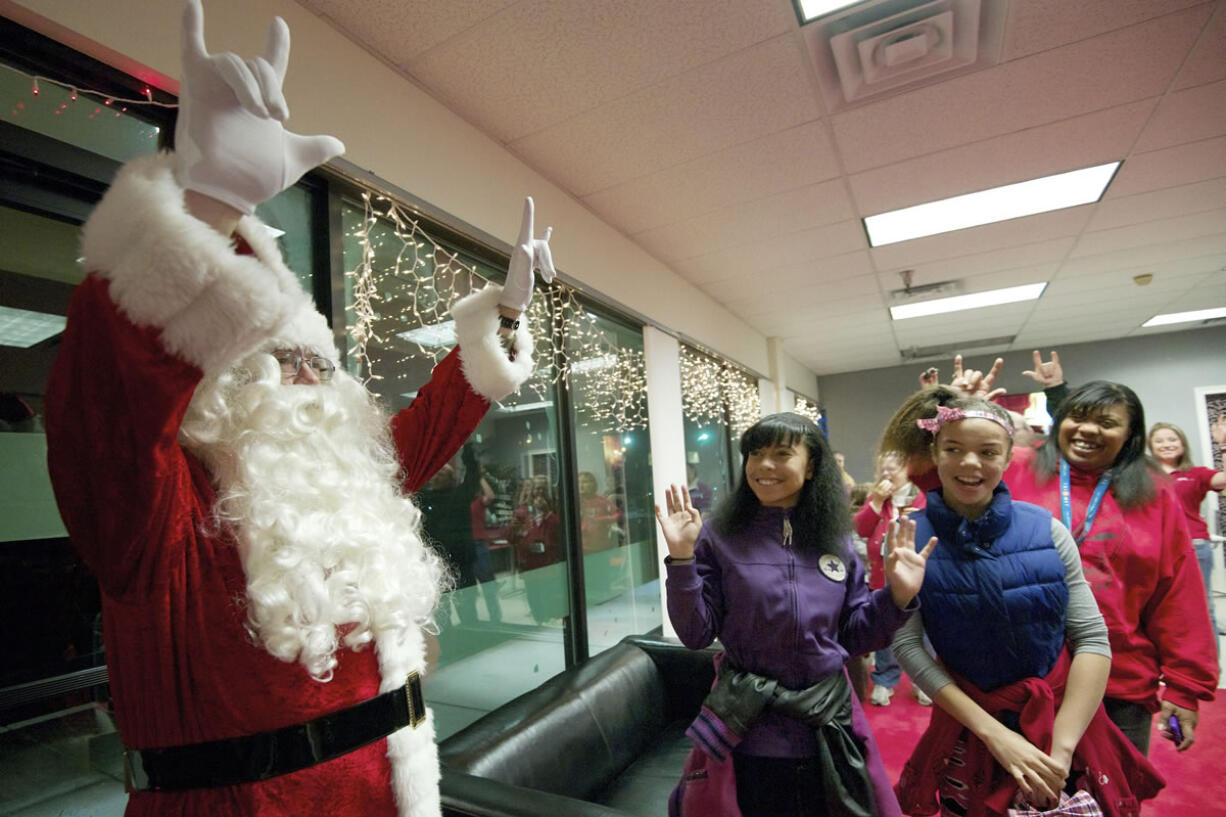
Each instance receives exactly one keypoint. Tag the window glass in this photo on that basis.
(495, 510)
(613, 479)
(115, 130)
(719, 401)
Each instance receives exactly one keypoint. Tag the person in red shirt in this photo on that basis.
(1133, 540)
(1169, 445)
(240, 497)
(892, 497)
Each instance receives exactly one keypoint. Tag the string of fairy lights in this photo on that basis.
(808, 408)
(404, 278)
(47, 95)
(714, 392)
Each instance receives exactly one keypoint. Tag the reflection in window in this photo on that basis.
(719, 401)
(96, 123)
(494, 512)
(613, 463)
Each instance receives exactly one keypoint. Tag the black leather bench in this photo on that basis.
(603, 739)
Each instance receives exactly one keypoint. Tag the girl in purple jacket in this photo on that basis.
(773, 576)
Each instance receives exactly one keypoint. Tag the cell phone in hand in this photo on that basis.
(1176, 733)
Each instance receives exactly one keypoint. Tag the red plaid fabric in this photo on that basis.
(1080, 804)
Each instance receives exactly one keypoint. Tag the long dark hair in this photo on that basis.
(821, 519)
(1132, 482)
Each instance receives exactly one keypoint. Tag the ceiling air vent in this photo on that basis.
(924, 292)
(948, 350)
(882, 46)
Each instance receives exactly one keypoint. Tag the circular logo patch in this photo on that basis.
(833, 567)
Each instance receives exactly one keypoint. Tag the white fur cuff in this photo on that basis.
(171, 271)
(485, 362)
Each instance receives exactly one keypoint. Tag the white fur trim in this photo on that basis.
(411, 752)
(169, 270)
(485, 362)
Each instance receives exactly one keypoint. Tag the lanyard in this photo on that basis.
(1066, 503)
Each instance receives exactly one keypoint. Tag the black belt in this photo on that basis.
(251, 758)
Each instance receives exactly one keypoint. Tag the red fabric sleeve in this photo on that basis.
(1176, 617)
(866, 519)
(431, 430)
(114, 403)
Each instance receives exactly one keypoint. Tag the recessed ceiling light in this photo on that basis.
(976, 300)
(23, 328)
(810, 10)
(1186, 317)
(988, 206)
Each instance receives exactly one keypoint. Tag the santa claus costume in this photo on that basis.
(261, 568)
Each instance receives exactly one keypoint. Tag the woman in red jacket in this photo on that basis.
(1134, 546)
(1191, 483)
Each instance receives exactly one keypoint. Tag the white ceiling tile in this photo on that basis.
(1038, 25)
(1205, 63)
(788, 212)
(1183, 164)
(1187, 116)
(539, 63)
(849, 274)
(1113, 69)
(401, 29)
(1155, 255)
(787, 250)
(772, 164)
(758, 91)
(1197, 225)
(1158, 204)
(1082, 141)
(976, 264)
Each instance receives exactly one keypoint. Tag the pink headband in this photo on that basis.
(953, 415)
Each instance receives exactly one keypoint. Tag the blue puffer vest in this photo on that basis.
(994, 596)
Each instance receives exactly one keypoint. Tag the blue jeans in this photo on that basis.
(886, 672)
(1204, 555)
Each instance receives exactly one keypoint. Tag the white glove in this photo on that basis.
(230, 140)
(530, 255)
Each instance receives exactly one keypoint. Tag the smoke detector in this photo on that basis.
(882, 46)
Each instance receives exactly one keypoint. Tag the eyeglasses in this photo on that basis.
(291, 361)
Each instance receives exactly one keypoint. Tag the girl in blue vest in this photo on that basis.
(1022, 650)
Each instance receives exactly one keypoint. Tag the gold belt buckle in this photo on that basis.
(416, 701)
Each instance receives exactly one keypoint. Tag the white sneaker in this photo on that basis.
(881, 696)
(921, 697)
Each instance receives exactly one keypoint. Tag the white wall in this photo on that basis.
(394, 130)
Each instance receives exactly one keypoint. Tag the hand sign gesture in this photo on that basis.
(904, 567)
(975, 383)
(230, 139)
(682, 523)
(1046, 374)
(529, 256)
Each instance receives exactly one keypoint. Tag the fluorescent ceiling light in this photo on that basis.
(988, 206)
(812, 9)
(435, 334)
(1186, 317)
(23, 328)
(976, 300)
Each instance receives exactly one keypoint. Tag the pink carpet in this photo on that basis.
(1195, 779)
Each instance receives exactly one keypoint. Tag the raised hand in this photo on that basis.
(1046, 374)
(1217, 430)
(230, 140)
(930, 377)
(528, 257)
(681, 524)
(974, 383)
(904, 566)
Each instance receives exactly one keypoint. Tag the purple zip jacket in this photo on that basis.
(787, 614)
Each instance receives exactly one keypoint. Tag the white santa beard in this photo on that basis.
(307, 481)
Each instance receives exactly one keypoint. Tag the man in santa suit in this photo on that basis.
(241, 500)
